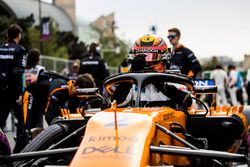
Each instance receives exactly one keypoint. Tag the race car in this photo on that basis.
(140, 132)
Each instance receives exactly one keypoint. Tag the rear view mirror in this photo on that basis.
(87, 92)
(205, 89)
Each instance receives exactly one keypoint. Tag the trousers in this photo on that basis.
(8, 104)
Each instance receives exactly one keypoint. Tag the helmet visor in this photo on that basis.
(151, 57)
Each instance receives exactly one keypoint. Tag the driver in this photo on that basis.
(149, 54)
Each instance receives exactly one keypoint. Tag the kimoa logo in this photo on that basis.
(107, 149)
(112, 138)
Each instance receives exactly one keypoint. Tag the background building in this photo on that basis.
(69, 7)
(63, 14)
(246, 62)
(24, 8)
(86, 33)
(105, 25)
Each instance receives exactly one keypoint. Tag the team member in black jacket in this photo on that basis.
(181, 57)
(94, 65)
(12, 65)
(57, 92)
(62, 94)
(48, 96)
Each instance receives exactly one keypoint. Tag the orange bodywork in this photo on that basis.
(129, 144)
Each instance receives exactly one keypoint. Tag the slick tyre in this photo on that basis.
(45, 139)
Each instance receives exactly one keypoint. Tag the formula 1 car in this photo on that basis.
(142, 132)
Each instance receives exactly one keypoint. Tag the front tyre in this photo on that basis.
(45, 139)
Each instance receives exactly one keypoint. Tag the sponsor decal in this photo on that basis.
(179, 52)
(24, 61)
(6, 57)
(90, 63)
(144, 50)
(204, 82)
(87, 90)
(7, 49)
(30, 101)
(168, 116)
(111, 138)
(107, 149)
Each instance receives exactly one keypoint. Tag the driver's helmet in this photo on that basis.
(153, 48)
